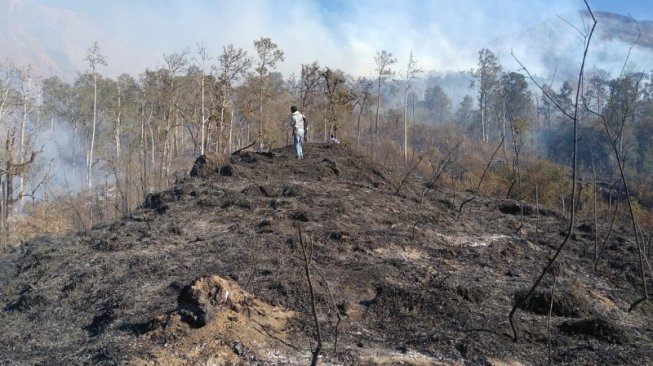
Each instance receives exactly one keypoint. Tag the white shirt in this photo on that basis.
(297, 121)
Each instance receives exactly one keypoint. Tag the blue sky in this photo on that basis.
(444, 35)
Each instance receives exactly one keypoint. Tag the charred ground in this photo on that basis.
(414, 281)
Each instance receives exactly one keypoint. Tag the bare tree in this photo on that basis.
(339, 98)
(204, 58)
(26, 95)
(95, 58)
(12, 169)
(411, 73)
(175, 63)
(310, 81)
(234, 64)
(363, 96)
(383, 60)
(5, 88)
(269, 55)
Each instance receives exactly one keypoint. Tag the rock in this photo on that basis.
(239, 349)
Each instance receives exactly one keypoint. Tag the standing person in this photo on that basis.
(298, 129)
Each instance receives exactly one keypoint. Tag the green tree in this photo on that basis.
(438, 104)
(486, 77)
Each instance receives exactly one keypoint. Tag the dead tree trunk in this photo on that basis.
(12, 169)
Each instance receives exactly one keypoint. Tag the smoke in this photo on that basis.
(556, 47)
(60, 161)
(444, 36)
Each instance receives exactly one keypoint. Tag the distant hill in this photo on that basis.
(620, 27)
(555, 46)
(55, 41)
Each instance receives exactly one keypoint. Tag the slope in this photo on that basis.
(211, 272)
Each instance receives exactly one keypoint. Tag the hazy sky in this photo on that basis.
(444, 35)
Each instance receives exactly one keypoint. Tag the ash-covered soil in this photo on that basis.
(211, 272)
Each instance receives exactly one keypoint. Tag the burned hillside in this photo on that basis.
(211, 272)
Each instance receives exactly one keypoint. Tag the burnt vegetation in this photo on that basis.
(514, 229)
(400, 276)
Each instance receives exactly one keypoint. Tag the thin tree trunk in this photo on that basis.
(203, 122)
(376, 119)
(21, 146)
(482, 108)
(406, 125)
(74, 149)
(118, 126)
(231, 128)
(537, 211)
(143, 152)
(260, 134)
(358, 127)
(89, 174)
(596, 222)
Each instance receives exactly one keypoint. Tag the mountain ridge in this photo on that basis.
(623, 28)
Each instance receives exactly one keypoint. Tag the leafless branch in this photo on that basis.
(580, 32)
(308, 258)
(335, 309)
(480, 181)
(548, 322)
(570, 228)
(410, 171)
(542, 89)
(442, 164)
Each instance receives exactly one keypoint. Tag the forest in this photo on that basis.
(80, 151)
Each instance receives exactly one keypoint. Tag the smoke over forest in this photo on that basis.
(86, 112)
(156, 207)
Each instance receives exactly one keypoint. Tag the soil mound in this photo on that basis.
(567, 302)
(216, 321)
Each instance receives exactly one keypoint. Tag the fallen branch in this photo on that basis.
(634, 305)
(237, 152)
